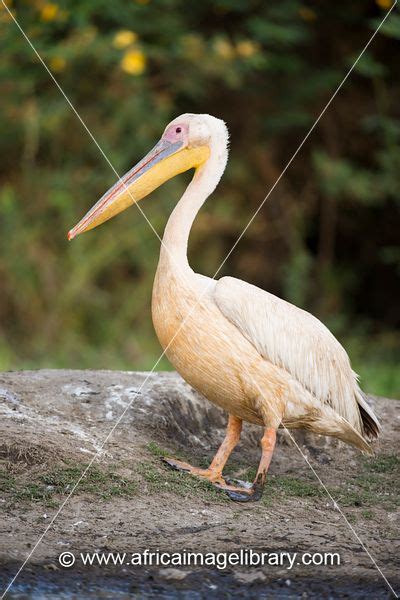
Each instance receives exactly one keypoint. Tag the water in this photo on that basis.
(39, 583)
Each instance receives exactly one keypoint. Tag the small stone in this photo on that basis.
(250, 577)
(173, 574)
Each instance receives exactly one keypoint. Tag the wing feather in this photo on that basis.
(295, 340)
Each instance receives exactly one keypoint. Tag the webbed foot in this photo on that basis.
(238, 491)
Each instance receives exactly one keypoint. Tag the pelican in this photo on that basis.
(256, 356)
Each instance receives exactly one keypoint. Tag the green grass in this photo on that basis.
(291, 486)
(182, 483)
(161, 479)
(156, 450)
(369, 487)
(32, 492)
(159, 452)
(46, 488)
(372, 484)
(385, 463)
(7, 481)
(105, 484)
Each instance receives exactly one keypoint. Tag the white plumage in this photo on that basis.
(295, 340)
(260, 358)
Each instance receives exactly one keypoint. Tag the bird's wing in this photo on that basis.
(293, 339)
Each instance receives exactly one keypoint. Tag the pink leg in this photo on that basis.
(255, 492)
(214, 471)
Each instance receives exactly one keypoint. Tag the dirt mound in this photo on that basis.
(56, 422)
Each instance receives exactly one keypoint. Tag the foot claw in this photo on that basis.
(241, 495)
(245, 492)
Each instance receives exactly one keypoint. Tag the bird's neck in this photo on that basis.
(205, 180)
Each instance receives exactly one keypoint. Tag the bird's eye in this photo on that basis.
(178, 129)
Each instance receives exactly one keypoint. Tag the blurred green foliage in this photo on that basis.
(327, 239)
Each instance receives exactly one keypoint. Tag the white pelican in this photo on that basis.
(258, 357)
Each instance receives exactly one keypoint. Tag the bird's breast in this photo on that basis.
(205, 349)
(180, 305)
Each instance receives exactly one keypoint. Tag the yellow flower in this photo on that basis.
(385, 4)
(49, 12)
(307, 14)
(57, 64)
(133, 62)
(247, 48)
(124, 38)
(224, 49)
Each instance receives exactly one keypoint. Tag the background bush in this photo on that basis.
(327, 239)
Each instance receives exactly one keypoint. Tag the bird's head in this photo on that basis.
(185, 144)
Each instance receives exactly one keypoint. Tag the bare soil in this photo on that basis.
(54, 423)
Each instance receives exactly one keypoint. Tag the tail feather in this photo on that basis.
(330, 423)
(351, 436)
(370, 425)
